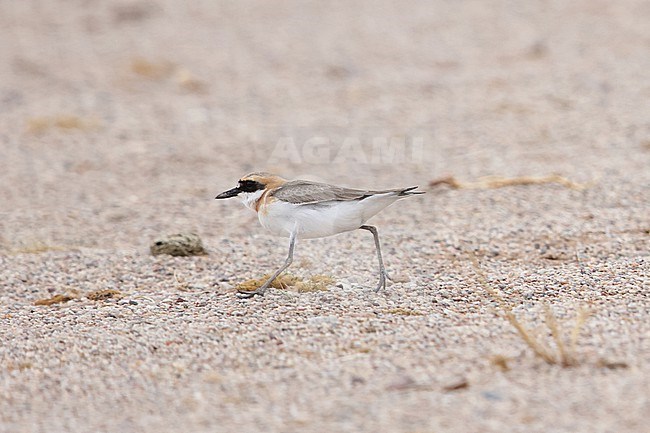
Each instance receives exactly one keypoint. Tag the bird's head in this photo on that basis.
(251, 187)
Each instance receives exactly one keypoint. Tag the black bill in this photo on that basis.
(230, 193)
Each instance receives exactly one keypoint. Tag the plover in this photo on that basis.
(301, 209)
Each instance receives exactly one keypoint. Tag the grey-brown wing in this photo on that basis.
(303, 192)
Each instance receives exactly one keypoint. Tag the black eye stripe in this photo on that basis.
(250, 185)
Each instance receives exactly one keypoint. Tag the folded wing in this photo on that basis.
(305, 192)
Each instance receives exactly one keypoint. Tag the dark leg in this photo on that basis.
(260, 290)
(382, 270)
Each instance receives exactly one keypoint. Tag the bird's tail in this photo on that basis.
(409, 191)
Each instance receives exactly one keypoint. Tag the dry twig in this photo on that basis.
(565, 356)
(56, 299)
(490, 182)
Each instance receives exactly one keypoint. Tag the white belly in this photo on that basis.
(324, 219)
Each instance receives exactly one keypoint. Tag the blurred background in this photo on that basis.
(120, 120)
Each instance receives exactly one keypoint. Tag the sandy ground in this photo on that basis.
(120, 121)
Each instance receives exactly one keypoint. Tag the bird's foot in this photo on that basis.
(247, 294)
(383, 276)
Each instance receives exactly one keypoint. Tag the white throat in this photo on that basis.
(250, 198)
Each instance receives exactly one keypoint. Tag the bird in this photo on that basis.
(302, 209)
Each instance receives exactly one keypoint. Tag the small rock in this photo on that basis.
(102, 295)
(180, 244)
(400, 278)
(492, 395)
(323, 320)
(457, 384)
(401, 383)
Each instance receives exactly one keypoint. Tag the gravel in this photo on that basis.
(120, 122)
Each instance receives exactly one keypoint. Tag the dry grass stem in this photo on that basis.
(162, 70)
(539, 348)
(153, 70)
(403, 312)
(565, 356)
(501, 362)
(289, 282)
(525, 335)
(65, 122)
(181, 284)
(37, 247)
(491, 182)
(581, 319)
(56, 299)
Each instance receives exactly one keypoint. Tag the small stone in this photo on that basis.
(102, 295)
(323, 320)
(457, 384)
(179, 244)
(401, 383)
(400, 278)
(492, 395)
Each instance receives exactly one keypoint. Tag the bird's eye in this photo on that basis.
(250, 185)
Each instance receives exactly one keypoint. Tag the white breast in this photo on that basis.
(322, 219)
